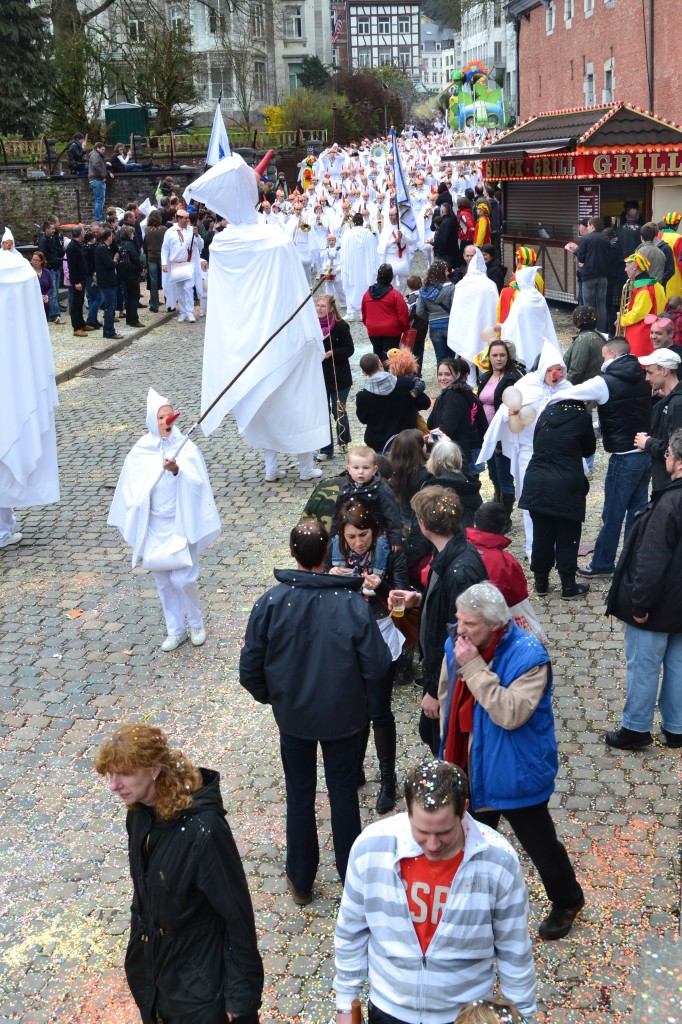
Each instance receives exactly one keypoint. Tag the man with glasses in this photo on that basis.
(647, 596)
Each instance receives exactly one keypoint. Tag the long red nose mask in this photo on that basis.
(557, 375)
(171, 419)
(260, 169)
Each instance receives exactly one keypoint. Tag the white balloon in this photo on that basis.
(527, 414)
(516, 424)
(512, 398)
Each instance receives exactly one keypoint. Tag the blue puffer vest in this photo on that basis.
(511, 768)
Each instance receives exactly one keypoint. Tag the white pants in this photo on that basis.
(185, 293)
(179, 594)
(7, 522)
(427, 249)
(525, 455)
(335, 288)
(306, 463)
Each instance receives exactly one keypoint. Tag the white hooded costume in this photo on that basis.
(529, 323)
(519, 447)
(7, 236)
(29, 473)
(474, 307)
(256, 281)
(167, 520)
(359, 265)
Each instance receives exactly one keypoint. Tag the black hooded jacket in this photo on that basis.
(312, 647)
(193, 954)
(555, 483)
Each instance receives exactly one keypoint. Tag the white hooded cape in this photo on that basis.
(474, 307)
(256, 281)
(196, 516)
(29, 473)
(519, 447)
(359, 264)
(529, 323)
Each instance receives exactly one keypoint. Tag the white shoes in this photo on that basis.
(182, 318)
(171, 643)
(198, 636)
(191, 319)
(314, 472)
(13, 538)
(277, 475)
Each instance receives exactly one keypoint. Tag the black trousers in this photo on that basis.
(382, 343)
(554, 538)
(299, 760)
(534, 829)
(132, 283)
(76, 299)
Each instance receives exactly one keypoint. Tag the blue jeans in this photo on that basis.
(299, 760)
(109, 303)
(439, 340)
(154, 273)
(53, 308)
(645, 653)
(499, 470)
(99, 191)
(594, 294)
(340, 419)
(95, 301)
(626, 490)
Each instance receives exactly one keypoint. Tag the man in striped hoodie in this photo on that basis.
(432, 901)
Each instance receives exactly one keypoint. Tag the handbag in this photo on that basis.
(408, 338)
(181, 272)
(168, 556)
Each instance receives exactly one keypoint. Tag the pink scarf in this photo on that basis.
(327, 323)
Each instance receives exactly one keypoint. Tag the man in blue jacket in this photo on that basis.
(312, 647)
(500, 726)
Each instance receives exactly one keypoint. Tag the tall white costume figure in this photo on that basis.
(397, 253)
(300, 232)
(474, 307)
(529, 322)
(359, 265)
(256, 281)
(180, 266)
(519, 447)
(8, 240)
(330, 257)
(165, 510)
(28, 397)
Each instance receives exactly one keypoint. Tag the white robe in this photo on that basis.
(359, 265)
(29, 472)
(529, 323)
(474, 307)
(196, 516)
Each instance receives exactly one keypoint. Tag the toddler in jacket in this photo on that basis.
(365, 485)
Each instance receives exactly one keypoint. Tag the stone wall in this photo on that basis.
(25, 202)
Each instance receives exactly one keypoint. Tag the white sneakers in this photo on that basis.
(314, 472)
(191, 319)
(12, 538)
(171, 643)
(279, 474)
(198, 636)
(181, 319)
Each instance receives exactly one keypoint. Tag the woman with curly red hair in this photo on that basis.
(193, 955)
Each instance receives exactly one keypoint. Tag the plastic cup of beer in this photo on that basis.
(398, 606)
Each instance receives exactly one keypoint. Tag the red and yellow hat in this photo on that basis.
(673, 218)
(525, 256)
(483, 207)
(639, 259)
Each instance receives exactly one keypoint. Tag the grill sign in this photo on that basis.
(633, 163)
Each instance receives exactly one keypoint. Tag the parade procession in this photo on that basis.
(341, 522)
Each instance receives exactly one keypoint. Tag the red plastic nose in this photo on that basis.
(171, 419)
(557, 375)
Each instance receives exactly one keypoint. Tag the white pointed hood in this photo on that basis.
(474, 307)
(154, 403)
(228, 188)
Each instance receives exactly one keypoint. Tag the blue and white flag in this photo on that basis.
(219, 146)
(402, 196)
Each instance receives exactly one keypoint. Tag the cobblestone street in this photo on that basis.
(79, 653)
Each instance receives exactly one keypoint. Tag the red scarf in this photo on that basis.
(461, 721)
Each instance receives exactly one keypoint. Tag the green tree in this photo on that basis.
(161, 72)
(83, 68)
(27, 74)
(314, 74)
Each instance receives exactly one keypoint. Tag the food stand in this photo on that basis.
(558, 167)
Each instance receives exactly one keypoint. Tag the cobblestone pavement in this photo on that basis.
(79, 652)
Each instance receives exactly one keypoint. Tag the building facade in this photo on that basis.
(574, 53)
(438, 55)
(384, 33)
(488, 35)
